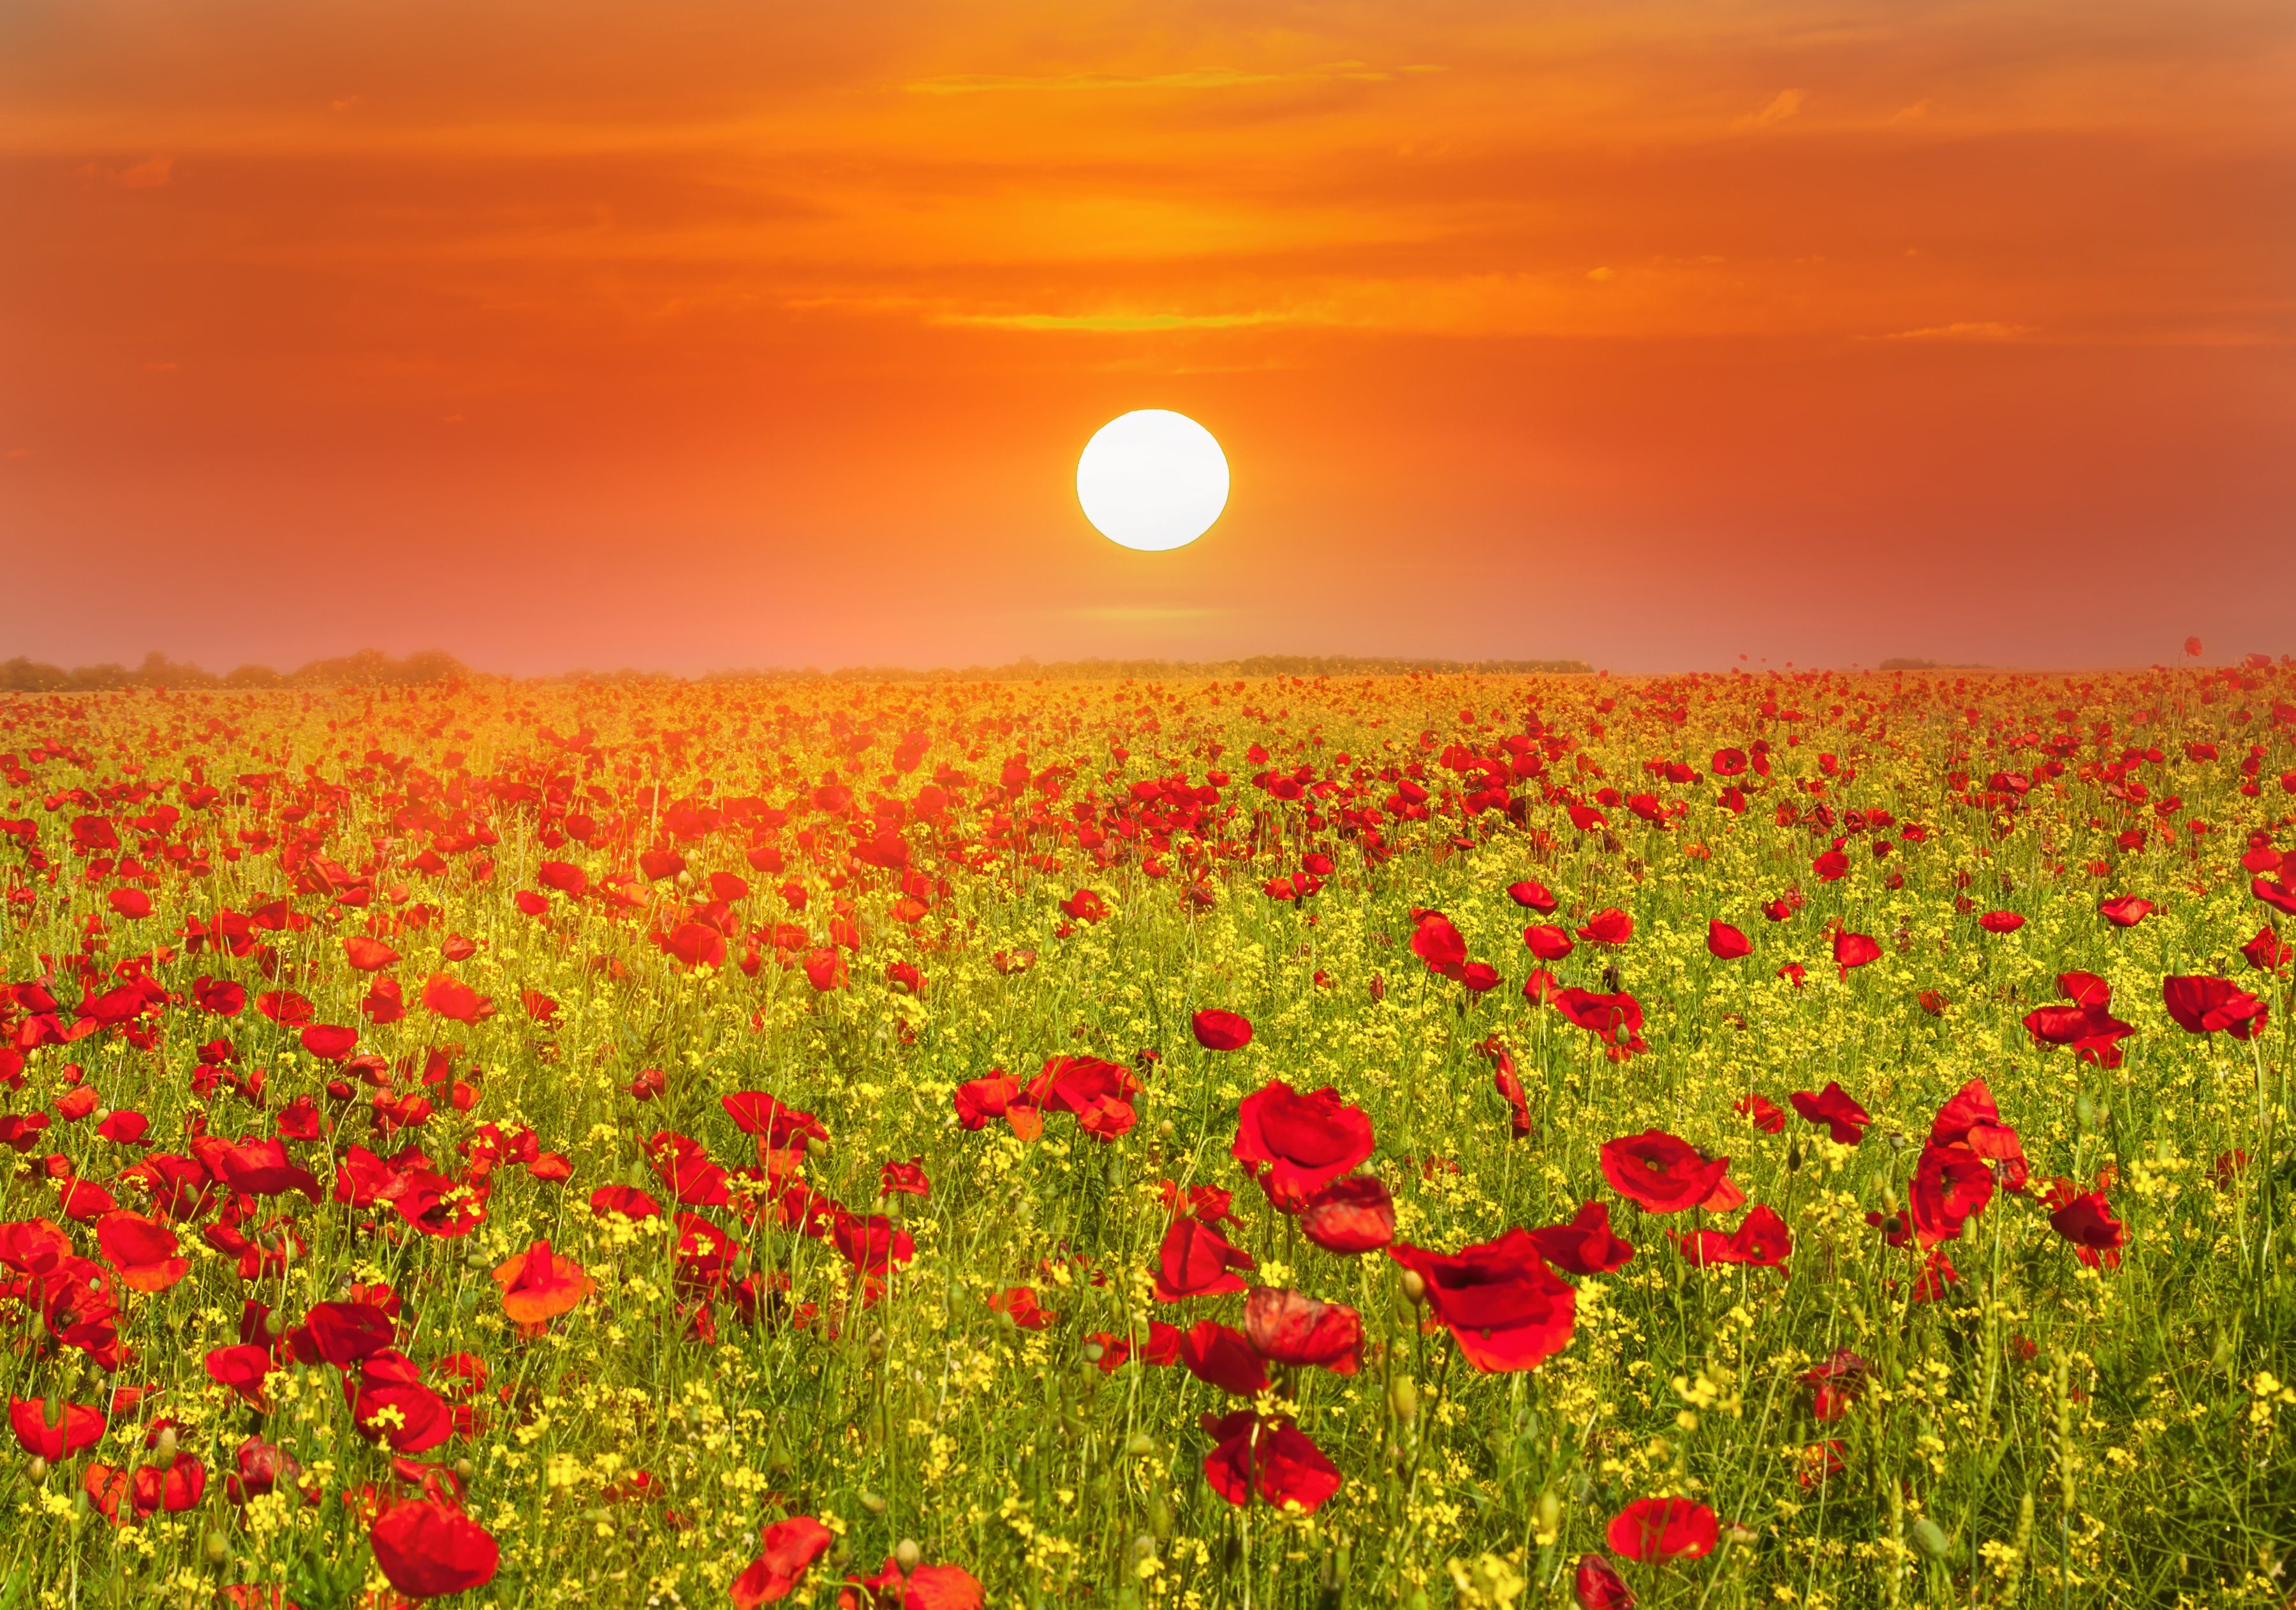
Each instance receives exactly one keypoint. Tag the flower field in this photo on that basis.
(1796, 1139)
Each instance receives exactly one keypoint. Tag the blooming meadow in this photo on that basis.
(1795, 1138)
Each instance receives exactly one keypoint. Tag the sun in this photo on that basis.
(1153, 479)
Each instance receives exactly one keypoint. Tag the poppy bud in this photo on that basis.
(1888, 1202)
(1930, 1538)
(38, 1469)
(214, 1548)
(907, 1556)
(1160, 1517)
(1402, 1397)
(1094, 1352)
(2085, 1111)
(875, 1503)
(1164, 1129)
(1414, 1286)
(163, 1448)
(1550, 1513)
(1140, 1445)
(465, 1470)
(1793, 1156)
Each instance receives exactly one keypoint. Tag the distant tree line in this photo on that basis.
(367, 667)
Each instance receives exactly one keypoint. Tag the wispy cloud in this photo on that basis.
(1985, 329)
(1783, 105)
(1115, 323)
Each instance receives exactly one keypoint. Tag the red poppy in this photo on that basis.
(1727, 944)
(1664, 1528)
(2001, 922)
(1764, 1113)
(538, 1285)
(1218, 1030)
(1586, 1246)
(1196, 1261)
(1295, 1144)
(1609, 925)
(2087, 1223)
(2125, 910)
(1596, 1586)
(1842, 1118)
(2205, 1005)
(1950, 1186)
(142, 1250)
(2267, 951)
(1288, 1326)
(1097, 1090)
(75, 1426)
(1348, 1216)
(1271, 1459)
(1222, 1357)
(1021, 1302)
(996, 1095)
(2280, 896)
(1661, 1172)
(1970, 1121)
(1437, 942)
(1853, 950)
(1616, 1020)
(1548, 943)
(1760, 1240)
(909, 1179)
(788, 1549)
(1531, 895)
(429, 1548)
(1505, 1309)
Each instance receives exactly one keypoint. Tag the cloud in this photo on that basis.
(1987, 330)
(1908, 114)
(153, 172)
(1114, 323)
(1783, 105)
(13, 453)
(1212, 77)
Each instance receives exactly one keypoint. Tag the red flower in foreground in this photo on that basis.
(1950, 1186)
(75, 1427)
(1217, 1030)
(1502, 1305)
(1759, 1110)
(1585, 1246)
(1352, 1216)
(2001, 922)
(1292, 1327)
(2087, 1223)
(1597, 1586)
(1831, 1107)
(428, 1548)
(1853, 950)
(926, 1587)
(1726, 944)
(1196, 1261)
(1661, 1172)
(450, 998)
(142, 1250)
(789, 1549)
(1616, 1020)
(1272, 1459)
(2126, 911)
(1664, 1528)
(538, 1285)
(1295, 1144)
(2202, 1006)
(1761, 1240)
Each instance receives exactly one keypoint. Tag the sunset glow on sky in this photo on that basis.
(703, 335)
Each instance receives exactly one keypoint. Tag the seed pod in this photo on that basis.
(1402, 1397)
(1414, 1286)
(37, 1470)
(1550, 1513)
(214, 1548)
(874, 1502)
(1160, 1517)
(1094, 1352)
(1140, 1445)
(1793, 1156)
(464, 1470)
(907, 1556)
(163, 1447)
(1930, 1538)
(2085, 1111)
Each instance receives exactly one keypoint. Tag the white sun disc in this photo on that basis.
(1153, 479)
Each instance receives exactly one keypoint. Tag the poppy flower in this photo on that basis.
(1950, 1186)
(627, 1200)
(1597, 1586)
(142, 1250)
(449, 998)
(777, 1125)
(428, 1548)
(1222, 1357)
(1295, 1144)
(1505, 1309)
(1830, 865)
(1610, 926)
(788, 1549)
(2267, 951)
(1832, 1109)
(1970, 1121)
(1437, 942)
(1217, 1030)
(871, 1244)
(1759, 1110)
(1663, 1528)
(1616, 1020)
(1271, 1459)
(908, 1177)
(1097, 1090)
(1585, 1246)
(1726, 943)
(1286, 1327)
(1196, 1261)
(2202, 1006)
(1531, 895)
(1760, 1240)
(76, 1426)
(1853, 950)
(1348, 1216)
(246, 1369)
(1548, 942)
(2087, 1223)
(2125, 910)
(977, 1100)
(2001, 922)
(1661, 1172)
(538, 1285)
(2280, 896)
(1021, 1302)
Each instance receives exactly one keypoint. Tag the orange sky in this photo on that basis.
(756, 333)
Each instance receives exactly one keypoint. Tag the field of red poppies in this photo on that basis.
(1810, 1140)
